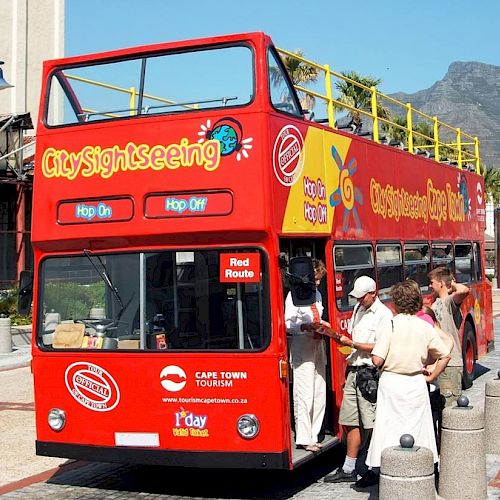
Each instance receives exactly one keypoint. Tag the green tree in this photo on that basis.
(425, 129)
(353, 94)
(491, 183)
(394, 131)
(399, 134)
(301, 74)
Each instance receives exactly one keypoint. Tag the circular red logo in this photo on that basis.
(288, 155)
(92, 386)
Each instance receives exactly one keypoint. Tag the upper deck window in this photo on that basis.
(146, 85)
(283, 96)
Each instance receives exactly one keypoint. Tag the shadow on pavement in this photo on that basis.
(203, 483)
(480, 370)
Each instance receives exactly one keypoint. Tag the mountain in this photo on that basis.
(467, 97)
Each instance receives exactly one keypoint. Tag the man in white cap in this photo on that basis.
(357, 413)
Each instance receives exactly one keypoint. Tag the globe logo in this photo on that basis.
(227, 137)
(229, 133)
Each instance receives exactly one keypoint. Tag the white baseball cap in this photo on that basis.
(362, 286)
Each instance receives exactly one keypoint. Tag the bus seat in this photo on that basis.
(423, 152)
(396, 144)
(364, 134)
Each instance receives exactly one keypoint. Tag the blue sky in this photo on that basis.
(408, 44)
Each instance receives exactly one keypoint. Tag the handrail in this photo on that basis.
(416, 139)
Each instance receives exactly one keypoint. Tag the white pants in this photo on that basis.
(308, 359)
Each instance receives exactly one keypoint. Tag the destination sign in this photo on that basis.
(95, 210)
(240, 267)
(189, 204)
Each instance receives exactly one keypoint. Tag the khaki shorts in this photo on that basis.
(355, 407)
(450, 384)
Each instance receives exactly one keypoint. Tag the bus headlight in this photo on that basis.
(56, 419)
(248, 426)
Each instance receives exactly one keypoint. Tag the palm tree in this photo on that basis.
(300, 73)
(491, 183)
(394, 132)
(399, 134)
(426, 129)
(357, 96)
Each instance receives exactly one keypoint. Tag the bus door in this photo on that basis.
(313, 248)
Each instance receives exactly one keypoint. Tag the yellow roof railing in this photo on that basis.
(461, 149)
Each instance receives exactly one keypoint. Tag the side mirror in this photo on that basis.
(25, 294)
(301, 281)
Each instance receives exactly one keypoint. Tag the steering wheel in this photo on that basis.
(105, 326)
(93, 322)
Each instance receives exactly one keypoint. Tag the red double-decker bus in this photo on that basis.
(173, 184)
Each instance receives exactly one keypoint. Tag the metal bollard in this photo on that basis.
(463, 461)
(492, 415)
(407, 472)
(5, 334)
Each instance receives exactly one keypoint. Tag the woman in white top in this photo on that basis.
(402, 349)
(308, 359)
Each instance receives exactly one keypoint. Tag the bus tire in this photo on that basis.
(469, 354)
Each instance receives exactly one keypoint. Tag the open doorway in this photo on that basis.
(315, 249)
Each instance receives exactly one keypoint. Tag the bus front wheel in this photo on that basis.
(469, 353)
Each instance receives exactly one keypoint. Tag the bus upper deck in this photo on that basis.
(190, 129)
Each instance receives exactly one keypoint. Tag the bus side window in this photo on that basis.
(389, 267)
(417, 263)
(463, 262)
(351, 261)
(478, 268)
(442, 255)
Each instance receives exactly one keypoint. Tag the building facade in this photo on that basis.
(30, 32)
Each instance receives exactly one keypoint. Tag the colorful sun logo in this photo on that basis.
(347, 193)
(229, 133)
(463, 190)
(476, 308)
(477, 312)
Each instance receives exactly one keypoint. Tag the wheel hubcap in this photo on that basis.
(469, 357)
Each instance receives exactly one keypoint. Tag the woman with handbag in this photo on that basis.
(401, 350)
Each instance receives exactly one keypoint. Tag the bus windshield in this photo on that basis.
(159, 83)
(151, 301)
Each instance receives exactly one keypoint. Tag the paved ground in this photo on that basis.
(24, 475)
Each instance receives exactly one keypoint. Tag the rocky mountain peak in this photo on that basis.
(468, 97)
